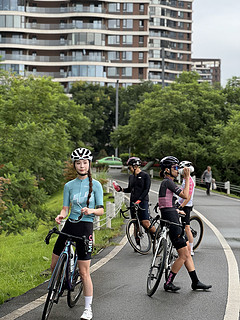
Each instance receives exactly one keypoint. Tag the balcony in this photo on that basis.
(52, 58)
(81, 9)
(61, 26)
(46, 43)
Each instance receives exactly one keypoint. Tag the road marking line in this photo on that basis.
(233, 300)
(36, 303)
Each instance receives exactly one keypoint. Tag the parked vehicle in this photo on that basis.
(112, 161)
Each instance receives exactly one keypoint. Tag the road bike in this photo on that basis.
(66, 274)
(196, 226)
(164, 255)
(139, 237)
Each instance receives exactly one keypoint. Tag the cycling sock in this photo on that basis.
(191, 245)
(171, 277)
(88, 302)
(193, 276)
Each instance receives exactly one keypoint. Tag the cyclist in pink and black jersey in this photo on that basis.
(169, 170)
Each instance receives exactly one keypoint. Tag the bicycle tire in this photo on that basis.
(171, 257)
(145, 243)
(196, 226)
(157, 237)
(74, 294)
(157, 267)
(54, 288)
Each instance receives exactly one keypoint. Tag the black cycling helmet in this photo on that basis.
(168, 161)
(134, 161)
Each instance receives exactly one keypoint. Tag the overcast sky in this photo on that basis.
(216, 34)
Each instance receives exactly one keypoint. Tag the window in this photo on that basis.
(113, 39)
(141, 7)
(127, 7)
(113, 71)
(141, 39)
(127, 55)
(114, 24)
(127, 72)
(141, 23)
(113, 55)
(114, 7)
(127, 23)
(140, 56)
(128, 40)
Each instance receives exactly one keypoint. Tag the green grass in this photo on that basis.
(25, 259)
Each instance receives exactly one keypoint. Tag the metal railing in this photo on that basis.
(220, 186)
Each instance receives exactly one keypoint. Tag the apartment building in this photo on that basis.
(97, 41)
(208, 69)
(170, 39)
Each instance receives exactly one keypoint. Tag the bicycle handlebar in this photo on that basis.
(55, 230)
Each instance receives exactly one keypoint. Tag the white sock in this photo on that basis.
(191, 246)
(88, 302)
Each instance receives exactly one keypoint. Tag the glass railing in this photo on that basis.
(34, 42)
(52, 58)
(61, 26)
(57, 10)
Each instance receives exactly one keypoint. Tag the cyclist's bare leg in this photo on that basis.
(146, 224)
(184, 257)
(84, 270)
(189, 235)
(54, 261)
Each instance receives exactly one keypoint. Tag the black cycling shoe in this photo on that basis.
(200, 286)
(171, 287)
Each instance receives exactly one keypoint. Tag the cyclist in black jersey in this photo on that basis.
(138, 186)
(169, 170)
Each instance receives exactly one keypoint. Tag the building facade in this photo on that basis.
(208, 69)
(97, 41)
(170, 39)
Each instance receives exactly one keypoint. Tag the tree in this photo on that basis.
(179, 120)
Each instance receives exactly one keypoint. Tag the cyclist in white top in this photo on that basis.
(187, 204)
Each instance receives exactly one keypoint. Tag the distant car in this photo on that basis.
(113, 162)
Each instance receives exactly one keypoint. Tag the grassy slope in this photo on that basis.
(25, 259)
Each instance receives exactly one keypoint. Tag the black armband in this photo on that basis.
(98, 207)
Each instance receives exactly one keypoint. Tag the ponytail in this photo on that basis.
(90, 186)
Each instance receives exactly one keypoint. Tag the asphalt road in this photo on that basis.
(120, 283)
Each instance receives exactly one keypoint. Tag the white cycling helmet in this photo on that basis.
(185, 164)
(81, 154)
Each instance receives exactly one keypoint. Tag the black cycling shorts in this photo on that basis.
(76, 229)
(186, 219)
(178, 239)
(143, 213)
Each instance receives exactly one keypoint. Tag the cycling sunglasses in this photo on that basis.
(175, 167)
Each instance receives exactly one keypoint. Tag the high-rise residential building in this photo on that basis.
(170, 39)
(97, 41)
(208, 69)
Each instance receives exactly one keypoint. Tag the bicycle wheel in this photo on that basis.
(53, 291)
(157, 267)
(77, 287)
(196, 226)
(138, 237)
(172, 255)
(157, 237)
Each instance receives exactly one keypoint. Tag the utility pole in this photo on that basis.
(116, 115)
(163, 67)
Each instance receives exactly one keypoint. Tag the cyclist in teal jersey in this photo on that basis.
(85, 196)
